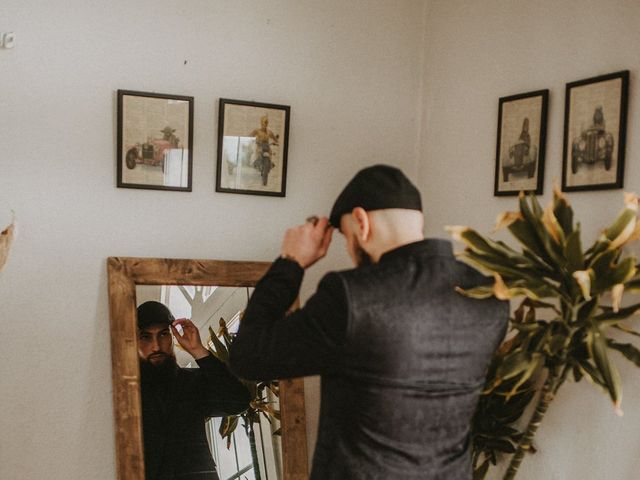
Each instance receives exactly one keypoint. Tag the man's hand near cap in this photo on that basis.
(308, 243)
(190, 338)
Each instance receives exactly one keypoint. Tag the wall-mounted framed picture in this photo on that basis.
(155, 141)
(521, 140)
(253, 140)
(595, 124)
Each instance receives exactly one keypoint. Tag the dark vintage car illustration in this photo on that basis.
(594, 144)
(520, 161)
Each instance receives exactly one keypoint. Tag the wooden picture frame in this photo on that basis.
(253, 143)
(155, 141)
(124, 274)
(521, 143)
(595, 125)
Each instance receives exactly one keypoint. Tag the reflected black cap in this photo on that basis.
(154, 313)
(376, 188)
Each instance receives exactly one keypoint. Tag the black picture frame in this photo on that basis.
(595, 127)
(154, 141)
(521, 143)
(253, 144)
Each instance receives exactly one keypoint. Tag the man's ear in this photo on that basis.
(361, 218)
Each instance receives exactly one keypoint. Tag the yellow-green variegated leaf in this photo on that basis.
(527, 237)
(629, 351)
(583, 279)
(552, 225)
(488, 264)
(606, 278)
(608, 317)
(498, 251)
(623, 226)
(601, 245)
(616, 296)
(601, 264)
(519, 364)
(633, 285)
(562, 211)
(515, 363)
(624, 271)
(573, 251)
(505, 219)
(220, 351)
(597, 345)
(591, 373)
(626, 329)
(552, 250)
(481, 293)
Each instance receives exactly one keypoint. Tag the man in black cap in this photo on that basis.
(402, 356)
(176, 401)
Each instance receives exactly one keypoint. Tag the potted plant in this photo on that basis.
(569, 301)
(261, 394)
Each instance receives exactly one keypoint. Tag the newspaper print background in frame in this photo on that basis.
(155, 141)
(521, 139)
(595, 125)
(253, 141)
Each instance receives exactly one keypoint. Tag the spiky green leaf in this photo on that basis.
(597, 345)
(629, 351)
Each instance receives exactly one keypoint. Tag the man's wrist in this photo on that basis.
(291, 258)
(199, 353)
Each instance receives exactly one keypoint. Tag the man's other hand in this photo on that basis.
(190, 338)
(308, 243)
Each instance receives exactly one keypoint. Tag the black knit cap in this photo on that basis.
(154, 313)
(376, 188)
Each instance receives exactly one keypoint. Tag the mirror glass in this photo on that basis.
(242, 445)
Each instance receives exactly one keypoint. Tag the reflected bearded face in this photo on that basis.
(155, 344)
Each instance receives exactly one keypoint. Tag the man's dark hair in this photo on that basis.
(154, 313)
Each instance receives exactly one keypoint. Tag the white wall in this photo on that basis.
(349, 70)
(476, 52)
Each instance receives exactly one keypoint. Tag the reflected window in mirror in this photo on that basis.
(226, 443)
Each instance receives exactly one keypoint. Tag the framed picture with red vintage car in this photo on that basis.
(595, 124)
(155, 141)
(520, 150)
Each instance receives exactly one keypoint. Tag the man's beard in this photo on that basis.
(151, 371)
(362, 257)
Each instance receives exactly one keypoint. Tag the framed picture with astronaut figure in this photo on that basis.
(522, 130)
(253, 140)
(595, 123)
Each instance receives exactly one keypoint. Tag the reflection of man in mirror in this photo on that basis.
(176, 401)
(402, 356)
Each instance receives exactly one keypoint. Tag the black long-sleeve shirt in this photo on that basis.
(175, 406)
(271, 344)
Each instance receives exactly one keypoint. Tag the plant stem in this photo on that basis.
(551, 385)
(254, 451)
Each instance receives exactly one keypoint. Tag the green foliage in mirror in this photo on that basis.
(260, 404)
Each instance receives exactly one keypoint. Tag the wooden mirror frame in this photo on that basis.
(124, 274)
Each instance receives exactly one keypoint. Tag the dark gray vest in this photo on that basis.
(412, 369)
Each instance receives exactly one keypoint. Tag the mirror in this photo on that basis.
(266, 441)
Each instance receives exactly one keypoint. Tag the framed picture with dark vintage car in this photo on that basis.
(155, 141)
(522, 132)
(595, 123)
(253, 140)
